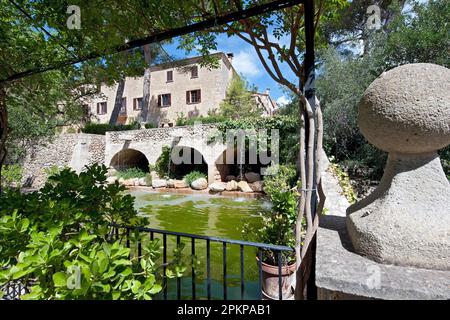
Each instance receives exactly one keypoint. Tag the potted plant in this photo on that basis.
(278, 227)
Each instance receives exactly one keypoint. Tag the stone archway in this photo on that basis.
(193, 160)
(129, 158)
(227, 164)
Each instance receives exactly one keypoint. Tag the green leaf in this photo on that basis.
(59, 279)
(155, 289)
(116, 295)
(136, 284)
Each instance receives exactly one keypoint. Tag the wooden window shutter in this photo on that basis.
(170, 99)
(98, 108)
(199, 95)
(188, 93)
(159, 100)
(194, 72)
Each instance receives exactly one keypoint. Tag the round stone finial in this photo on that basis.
(406, 220)
(407, 109)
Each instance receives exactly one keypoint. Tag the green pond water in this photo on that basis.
(208, 215)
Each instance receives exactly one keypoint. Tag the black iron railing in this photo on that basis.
(195, 241)
(14, 289)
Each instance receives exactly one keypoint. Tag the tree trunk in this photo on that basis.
(147, 81)
(3, 129)
(118, 102)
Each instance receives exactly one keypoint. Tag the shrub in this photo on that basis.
(12, 175)
(162, 164)
(192, 176)
(130, 173)
(239, 101)
(61, 233)
(150, 125)
(102, 128)
(288, 128)
(210, 118)
(278, 224)
(53, 170)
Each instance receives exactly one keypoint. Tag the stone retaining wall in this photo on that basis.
(65, 150)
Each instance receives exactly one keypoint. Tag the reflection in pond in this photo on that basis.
(207, 215)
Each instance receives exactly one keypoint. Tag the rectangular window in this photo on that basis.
(164, 100)
(102, 108)
(194, 72)
(193, 96)
(137, 103)
(123, 107)
(169, 76)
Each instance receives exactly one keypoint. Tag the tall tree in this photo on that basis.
(350, 26)
(35, 34)
(278, 39)
(239, 101)
(419, 34)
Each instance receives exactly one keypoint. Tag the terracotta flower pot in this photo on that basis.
(270, 284)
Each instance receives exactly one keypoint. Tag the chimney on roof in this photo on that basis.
(230, 56)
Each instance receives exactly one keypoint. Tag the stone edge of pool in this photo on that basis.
(188, 191)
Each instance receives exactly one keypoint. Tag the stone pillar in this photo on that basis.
(211, 173)
(406, 220)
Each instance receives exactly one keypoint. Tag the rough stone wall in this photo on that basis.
(78, 150)
(57, 152)
(151, 141)
(71, 150)
(97, 149)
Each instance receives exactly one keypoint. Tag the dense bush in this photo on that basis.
(239, 102)
(12, 175)
(59, 242)
(162, 164)
(150, 125)
(130, 173)
(53, 170)
(420, 36)
(102, 128)
(210, 118)
(278, 224)
(288, 128)
(192, 176)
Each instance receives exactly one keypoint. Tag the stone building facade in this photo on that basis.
(181, 88)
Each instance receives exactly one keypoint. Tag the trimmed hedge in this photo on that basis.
(102, 128)
(150, 125)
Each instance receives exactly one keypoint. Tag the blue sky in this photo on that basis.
(246, 63)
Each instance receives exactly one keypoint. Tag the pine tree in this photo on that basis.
(239, 102)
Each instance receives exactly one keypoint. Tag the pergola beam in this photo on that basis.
(165, 35)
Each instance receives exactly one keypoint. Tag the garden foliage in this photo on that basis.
(278, 224)
(102, 128)
(59, 243)
(130, 173)
(192, 176)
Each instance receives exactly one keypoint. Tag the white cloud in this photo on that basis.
(281, 101)
(244, 62)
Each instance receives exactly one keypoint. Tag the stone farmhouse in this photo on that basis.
(181, 88)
